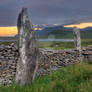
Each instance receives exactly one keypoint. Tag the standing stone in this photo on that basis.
(28, 50)
(77, 39)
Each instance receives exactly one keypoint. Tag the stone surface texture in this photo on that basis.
(28, 50)
(49, 60)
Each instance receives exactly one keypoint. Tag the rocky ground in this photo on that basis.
(49, 60)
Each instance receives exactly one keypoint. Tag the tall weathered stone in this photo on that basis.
(28, 50)
(77, 39)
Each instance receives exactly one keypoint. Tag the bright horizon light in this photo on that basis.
(12, 30)
(8, 31)
(80, 26)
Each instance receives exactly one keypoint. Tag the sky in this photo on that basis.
(46, 11)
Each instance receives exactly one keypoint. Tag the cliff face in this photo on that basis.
(49, 60)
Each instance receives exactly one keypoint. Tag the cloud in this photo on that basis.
(45, 11)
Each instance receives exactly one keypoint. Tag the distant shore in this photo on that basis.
(10, 39)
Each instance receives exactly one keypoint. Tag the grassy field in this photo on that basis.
(76, 78)
(58, 45)
(63, 45)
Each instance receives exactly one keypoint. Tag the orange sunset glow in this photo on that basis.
(11, 31)
(8, 31)
(81, 25)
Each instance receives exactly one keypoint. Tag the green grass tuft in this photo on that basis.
(76, 78)
(63, 45)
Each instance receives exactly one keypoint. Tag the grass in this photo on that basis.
(58, 45)
(76, 78)
(6, 43)
(63, 45)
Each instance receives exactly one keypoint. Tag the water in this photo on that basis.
(56, 40)
(43, 40)
(8, 40)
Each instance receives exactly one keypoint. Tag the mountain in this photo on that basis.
(86, 33)
(62, 32)
(55, 31)
(87, 28)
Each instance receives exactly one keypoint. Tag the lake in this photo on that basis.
(41, 40)
(56, 40)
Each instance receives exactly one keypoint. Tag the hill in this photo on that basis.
(62, 32)
(56, 31)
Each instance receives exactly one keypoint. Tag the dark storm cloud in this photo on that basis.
(45, 11)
